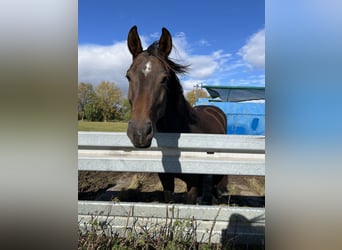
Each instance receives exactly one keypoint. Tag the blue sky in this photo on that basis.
(223, 41)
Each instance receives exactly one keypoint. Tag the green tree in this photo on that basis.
(125, 110)
(109, 98)
(85, 96)
(191, 95)
(92, 110)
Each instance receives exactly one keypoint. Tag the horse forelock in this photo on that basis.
(153, 50)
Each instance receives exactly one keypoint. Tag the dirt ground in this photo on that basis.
(146, 187)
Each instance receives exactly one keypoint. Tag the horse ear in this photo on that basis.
(165, 43)
(133, 42)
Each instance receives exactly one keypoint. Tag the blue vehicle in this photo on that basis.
(244, 107)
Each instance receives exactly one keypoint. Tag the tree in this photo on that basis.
(109, 98)
(92, 111)
(85, 96)
(191, 95)
(125, 110)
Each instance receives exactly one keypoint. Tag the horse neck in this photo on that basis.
(178, 114)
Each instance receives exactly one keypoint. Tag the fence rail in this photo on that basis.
(177, 153)
(173, 153)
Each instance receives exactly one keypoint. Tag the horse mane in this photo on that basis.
(172, 66)
(174, 86)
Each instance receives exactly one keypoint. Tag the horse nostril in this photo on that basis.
(148, 129)
(130, 124)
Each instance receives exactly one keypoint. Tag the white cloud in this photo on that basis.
(98, 63)
(201, 66)
(110, 63)
(253, 52)
(203, 42)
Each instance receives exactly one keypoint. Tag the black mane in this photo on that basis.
(171, 65)
(179, 112)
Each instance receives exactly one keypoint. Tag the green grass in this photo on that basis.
(102, 126)
(173, 234)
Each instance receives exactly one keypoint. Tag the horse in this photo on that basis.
(157, 104)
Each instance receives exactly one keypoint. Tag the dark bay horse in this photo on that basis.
(158, 105)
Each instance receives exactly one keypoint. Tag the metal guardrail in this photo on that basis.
(184, 142)
(212, 223)
(177, 153)
(173, 153)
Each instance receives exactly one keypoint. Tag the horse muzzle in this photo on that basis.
(140, 134)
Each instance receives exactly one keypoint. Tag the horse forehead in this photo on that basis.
(148, 64)
(147, 68)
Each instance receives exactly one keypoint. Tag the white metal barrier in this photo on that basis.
(177, 153)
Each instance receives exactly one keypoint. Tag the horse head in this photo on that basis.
(148, 76)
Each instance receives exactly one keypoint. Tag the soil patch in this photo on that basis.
(146, 187)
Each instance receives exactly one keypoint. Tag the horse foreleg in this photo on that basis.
(194, 187)
(168, 184)
(207, 187)
(220, 185)
(192, 195)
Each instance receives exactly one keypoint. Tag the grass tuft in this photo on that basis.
(139, 233)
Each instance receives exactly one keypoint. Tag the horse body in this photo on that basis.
(158, 105)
